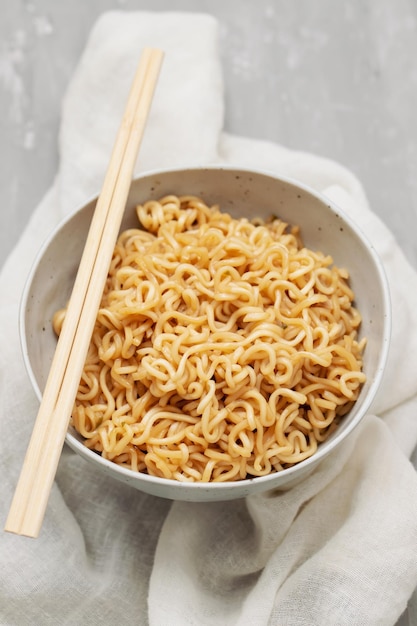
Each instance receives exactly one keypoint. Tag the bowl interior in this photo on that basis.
(241, 193)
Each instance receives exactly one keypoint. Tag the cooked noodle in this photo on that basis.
(223, 348)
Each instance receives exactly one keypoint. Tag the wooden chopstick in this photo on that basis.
(31, 496)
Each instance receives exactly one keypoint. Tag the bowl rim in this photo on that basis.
(130, 476)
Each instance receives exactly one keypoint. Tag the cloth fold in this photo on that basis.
(337, 549)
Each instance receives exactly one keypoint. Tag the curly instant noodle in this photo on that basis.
(223, 349)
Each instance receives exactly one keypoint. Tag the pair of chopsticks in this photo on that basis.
(31, 496)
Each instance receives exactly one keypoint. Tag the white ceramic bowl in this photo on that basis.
(241, 193)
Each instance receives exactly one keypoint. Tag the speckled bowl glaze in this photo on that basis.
(240, 192)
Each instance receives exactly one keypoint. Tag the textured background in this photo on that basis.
(335, 78)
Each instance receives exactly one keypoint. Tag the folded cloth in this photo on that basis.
(341, 547)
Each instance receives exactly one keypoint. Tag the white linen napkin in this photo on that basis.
(339, 549)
